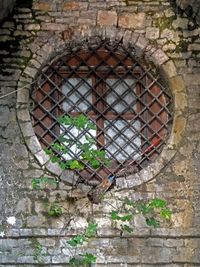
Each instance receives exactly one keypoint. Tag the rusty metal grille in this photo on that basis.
(128, 104)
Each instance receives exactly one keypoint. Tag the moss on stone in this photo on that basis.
(182, 46)
(164, 22)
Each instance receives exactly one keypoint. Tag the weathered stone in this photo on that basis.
(69, 177)
(107, 18)
(180, 23)
(69, 6)
(152, 33)
(130, 20)
(27, 129)
(42, 157)
(180, 101)
(170, 35)
(36, 221)
(54, 168)
(23, 115)
(53, 26)
(178, 129)
(159, 57)
(194, 47)
(24, 206)
(32, 27)
(170, 70)
(35, 173)
(177, 84)
(42, 6)
(33, 144)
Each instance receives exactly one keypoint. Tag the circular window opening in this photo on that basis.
(99, 112)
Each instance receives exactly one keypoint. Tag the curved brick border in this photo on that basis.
(56, 45)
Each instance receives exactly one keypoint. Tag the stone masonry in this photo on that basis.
(165, 37)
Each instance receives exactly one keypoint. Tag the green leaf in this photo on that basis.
(38, 182)
(166, 214)
(91, 230)
(48, 151)
(55, 159)
(35, 183)
(77, 240)
(114, 215)
(145, 208)
(63, 165)
(127, 217)
(74, 164)
(55, 211)
(80, 121)
(91, 140)
(59, 147)
(75, 262)
(153, 222)
(91, 125)
(66, 120)
(158, 203)
(126, 228)
(128, 202)
(95, 163)
(88, 258)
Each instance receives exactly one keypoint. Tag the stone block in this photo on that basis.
(180, 100)
(107, 18)
(177, 84)
(170, 70)
(42, 6)
(141, 43)
(27, 129)
(23, 93)
(23, 115)
(42, 157)
(32, 27)
(33, 144)
(69, 177)
(159, 57)
(35, 221)
(132, 20)
(178, 128)
(31, 72)
(54, 168)
(152, 33)
(70, 5)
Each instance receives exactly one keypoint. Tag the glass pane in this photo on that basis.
(124, 89)
(75, 138)
(126, 144)
(78, 91)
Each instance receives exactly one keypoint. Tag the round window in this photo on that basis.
(99, 112)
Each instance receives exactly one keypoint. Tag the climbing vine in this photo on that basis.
(154, 211)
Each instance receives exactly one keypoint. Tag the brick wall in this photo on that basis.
(27, 40)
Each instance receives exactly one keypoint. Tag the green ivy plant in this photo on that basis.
(85, 259)
(55, 210)
(88, 155)
(155, 211)
(38, 254)
(39, 183)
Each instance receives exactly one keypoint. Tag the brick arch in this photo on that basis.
(73, 37)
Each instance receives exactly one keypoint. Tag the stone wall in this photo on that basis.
(27, 40)
(6, 6)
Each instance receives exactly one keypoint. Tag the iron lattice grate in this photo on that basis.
(129, 106)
